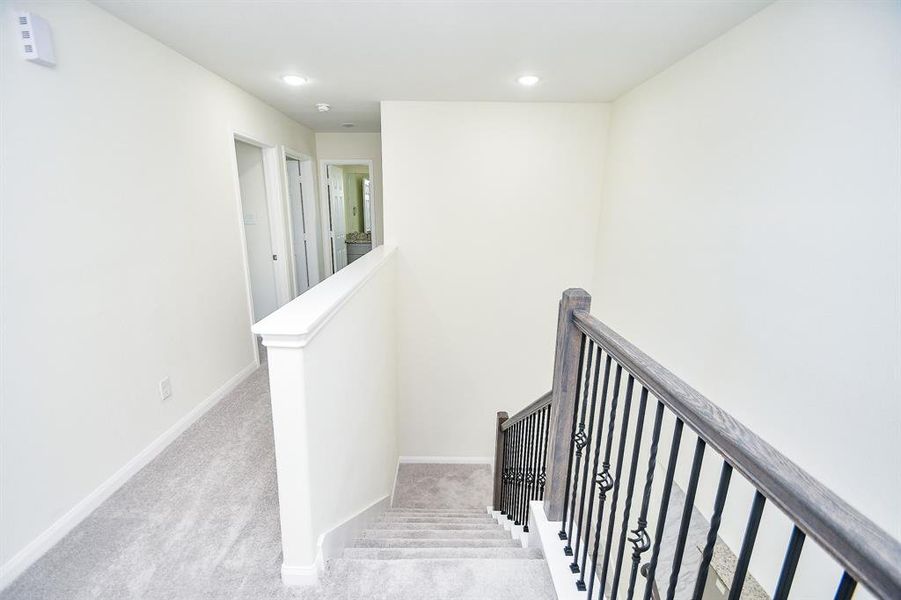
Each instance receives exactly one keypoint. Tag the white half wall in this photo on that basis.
(122, 259)
(366, 146)
(493, 207)
(333, 380)
(750, 238)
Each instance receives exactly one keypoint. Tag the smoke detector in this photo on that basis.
(323, 107)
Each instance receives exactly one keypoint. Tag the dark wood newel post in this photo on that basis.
(566, 373)
(498, 460)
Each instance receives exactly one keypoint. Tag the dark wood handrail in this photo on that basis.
(531, 409)
(863, 549)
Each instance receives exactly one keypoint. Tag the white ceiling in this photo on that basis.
(359, 52)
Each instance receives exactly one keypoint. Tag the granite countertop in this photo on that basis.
(356, 237)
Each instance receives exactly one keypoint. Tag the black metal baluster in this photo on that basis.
(686, 517)
(502, 505)
(513, 446)
(523, 453)
(517, 516)
(580, 584)
(789, 564)
(630, 488)
(641, 543)
(569, 468)
(542, 476)
(624, 430)
(530, 465)
(664, 507)
(845, 587)
(536, 456)
(578, 442)
(604, 481)
(533, 471)
(747, 546)
(580, 535)
(721, 491)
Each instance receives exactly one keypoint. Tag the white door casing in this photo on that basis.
(257, 230)
(367, 204)
(336, 207)
(298, 226)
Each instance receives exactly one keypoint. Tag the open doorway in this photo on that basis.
(257, 227)
(305, 264)
(350, 204)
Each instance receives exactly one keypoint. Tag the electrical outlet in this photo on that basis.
(165, 388)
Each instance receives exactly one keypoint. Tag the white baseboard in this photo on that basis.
(331, 544)
(50, 536)
(447, 460)
(300, 576)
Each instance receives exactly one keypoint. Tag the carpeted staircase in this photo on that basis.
(459, 554)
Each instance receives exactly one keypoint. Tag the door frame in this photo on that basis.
(325, 208)
(272, 180)
(311, 216)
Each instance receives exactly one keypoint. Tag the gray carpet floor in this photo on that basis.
(442, 486)
(200, 522)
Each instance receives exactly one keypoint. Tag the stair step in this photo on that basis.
(391, 525)
(433, 519)
(436, 543)
(460, 579)
(444, 552)
(495, 533)
(421, 512)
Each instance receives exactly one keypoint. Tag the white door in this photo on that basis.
(257, 232)
(367, 205)
(298, 226)
(336, 209)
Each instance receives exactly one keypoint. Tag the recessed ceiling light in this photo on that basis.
(347, 124)
(294, 79)
(528, 80)
(323, 107)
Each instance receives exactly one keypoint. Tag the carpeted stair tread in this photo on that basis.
(436, 543)
(457, 579)
(390, 525)
(434, 519)
(450, 552)
(437, 513)
(493, 533)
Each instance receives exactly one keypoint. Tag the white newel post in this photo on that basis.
(289, 422)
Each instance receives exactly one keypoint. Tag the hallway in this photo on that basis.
(200, 521)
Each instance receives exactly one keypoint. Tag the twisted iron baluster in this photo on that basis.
(574, 567)
(580, 584)
(604, 480)
(627, 405)
(641, 542)
(569, 468)
(579, 441)
(664, 507)
(707, 554)
(630, 488)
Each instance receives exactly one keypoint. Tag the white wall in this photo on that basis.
(367, 146)
(750, 241)
(494, 208)
(333, 403)
(121, 256)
